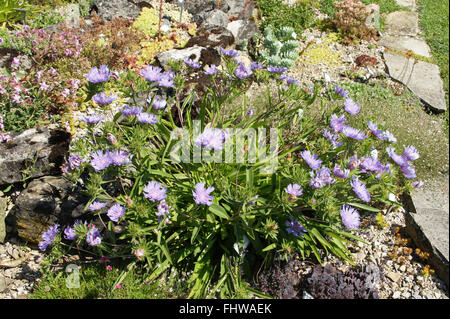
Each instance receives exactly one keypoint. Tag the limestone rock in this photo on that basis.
(196, 53)
(46, 201)
(242, 30)
(71, 15)
(108, 9)
(212, 37)
(240, 9)
(422, 78)
(405, 43)
(404, 23)
(216, 18)
(3, 205)
(40, 151)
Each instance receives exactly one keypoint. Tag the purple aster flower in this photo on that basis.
(311, 159)
(250, 112)
(119, 157)
(294, 227)
(354, 162)
(211, 138)
(158, 102)
(93, 236)
(101, 98)
(374, 128)
(315, 182)
(111, 138)
(256, 66)
(400, 160)
(100, 160)
(338, 172)
(294, 190)
(230, 53)
(151, 73)
(417, 184)
(241, 71)
(369, 164)
(410, 153)
(351, 106)
(192, 63)
(97, 205)
(75, 161)
(96, 75)
(290, 81)
(116, 212)
(163, 210)
(211, 69)
(48, 237)
(69, 232)
(130, 110)
(332, 138)
(92, 119)
(253, 201)
(408, 171)
(155, 191)
(201, 194)
(276, 69)
(147, 118)
(389, 137)
(350, 217)
(166, 79)
(360, 189)
(324, 174)
(337, 123)
(340, 91)
(353, 133)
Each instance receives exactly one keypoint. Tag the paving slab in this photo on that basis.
(427, 223)
(410, 4)
(422, 78)
(405, 43)
(404, 23)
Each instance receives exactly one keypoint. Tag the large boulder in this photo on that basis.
(242, 30)
(240, 9)
(211, 37)
(46, 201)
(33, 153)
(198, 54)
(108, 9)
(216, 18)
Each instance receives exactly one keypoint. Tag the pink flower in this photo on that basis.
(118, 287)
(108, 268)
(15, 62)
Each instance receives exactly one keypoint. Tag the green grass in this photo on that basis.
(96, 282)
(434, 17)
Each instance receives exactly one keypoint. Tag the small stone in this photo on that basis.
(406, 294)
(395, 277)
(402, 268)
(396, 295)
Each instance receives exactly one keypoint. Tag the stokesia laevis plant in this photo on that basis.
(222, 216)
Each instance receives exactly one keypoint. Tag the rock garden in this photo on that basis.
(288, 149)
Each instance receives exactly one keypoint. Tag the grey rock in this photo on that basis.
(211, 37)
(71, 15)
(404, 23)
(4, 283)
(396, 295)
(422, 78)
(108, 9)
(240, 9)
(193, 53)
(2, 219)
(405, 43)
(216, 18)
(411, 4)
(40, 151)
(242, 30)
(46, 201)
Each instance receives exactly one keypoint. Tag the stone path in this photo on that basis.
(428, 207)
(402, 38)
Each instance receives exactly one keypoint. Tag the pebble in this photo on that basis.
(396, 295)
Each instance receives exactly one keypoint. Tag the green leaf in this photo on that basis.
(270, 247)
(365, 207)
(219, 211)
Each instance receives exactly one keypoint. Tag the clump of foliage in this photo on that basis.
(280, 47)
(327, 282)
(320, 53)
(278, 14)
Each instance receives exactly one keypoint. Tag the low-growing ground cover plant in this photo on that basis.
(220, 194)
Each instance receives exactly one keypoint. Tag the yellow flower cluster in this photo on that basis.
(320, 53)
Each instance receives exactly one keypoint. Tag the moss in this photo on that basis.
(318, 53)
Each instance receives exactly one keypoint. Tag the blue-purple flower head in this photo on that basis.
(97, 205)
(163, 209)
(148, 118)
(321, 178)
(360, 189)
(242, 72)
(130, 110)
(311, 159)
(411, 153)
(350, 217)
(369, 164)
(202, 195)
(100, 160)
(102, 99)
(340, 91)
(158, 103)
(75, 161)
(155, 191)
(116, 212)
(167, 79)
(48, 237)
(211, 138)
(294, 190)
(353, 133)
(354, 162)
(351, 106)
(276, 69)
(93, 237)
(332, 138)
(92, 119)
(384, 136)
(337, 123)
(231, 53)
(119, 157)
(211, 69)
(193, 64)
(70, 232)
(341, 173)
(98, 75)
(151, 73)
(408, 171)
(256, 66)
(294, 227)
(400, 160)
(290, 81)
